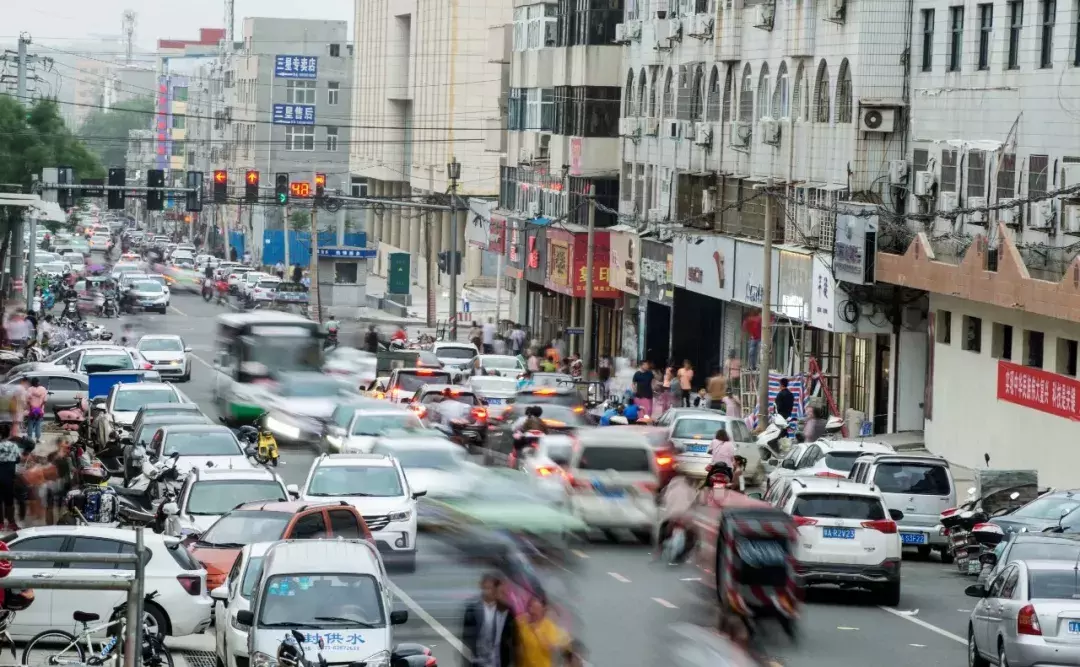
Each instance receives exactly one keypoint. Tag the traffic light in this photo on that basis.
(281, 189)
(251, 186)
(443, 257)
(194, 194)
(65, 197)
(320, 185)
(221, 186)
(155, 199)
(455, 262)
(115, 198)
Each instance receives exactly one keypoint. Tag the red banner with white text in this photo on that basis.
(1039, 390)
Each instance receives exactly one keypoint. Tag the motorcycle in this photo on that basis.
(267, 450)
(331, 339)
(775, 435)
(208, 290)
(109, 307)
(71, 310)
(970, 535)
(523, 441)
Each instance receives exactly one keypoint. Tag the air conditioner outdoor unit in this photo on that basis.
(533, 209)
(770, 131)
(652, 126)
(947, 201)
(708, 200)
(689, 130)
(740, 134)
(703, 134)
(1008, 214)
(898, 171)
(674, 129)
(628, 127)
(1042, 215)
(525, 154)
(924, 183)
(878, 119)
(763, 15)
(836, 9)
(977, 217)
(633, 30)
(813, 225)
(674, 30)
(620, 33)
(1070, 223)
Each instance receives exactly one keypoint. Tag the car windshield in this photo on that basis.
(213, 497)
(413, 381)
(251, 576)
(336, 481)
(267, 284)
(161, 345)
(242, 527)
(698, 429)
(1049, 507)
(131, 401)
(108, 362)
(554, 415)
(841, 461)
(160, 280)
(151, 424)
(1062, 549)
(615, 457)
(202, 443)
(426, 458)
(323, 601)
(147, 286)
(311, 388)
(501, 362)
(456, 353)
(54, 267)
(1053, 585)
(913, 479)
(838, 506)
(372, 425)
(494, 385)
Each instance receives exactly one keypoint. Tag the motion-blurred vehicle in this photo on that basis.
(403, 383)
(265, 291)
(434, 464)
(495, 365)
(1048, 513)
(494, 390)
(354, 426)
(151, 296)
(614, 479)
(355, 365)
(387, 360)
(690, 432)
(470, 427)
(300, 404)
(563, 393)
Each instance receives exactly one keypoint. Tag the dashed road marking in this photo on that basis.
(664, 603)
(438, 627)
(178, 311)
(690, 579)
(929, 626)
(844, 627)
(918, 645)
(618, 577)
(579, 553)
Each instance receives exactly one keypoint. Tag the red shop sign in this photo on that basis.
(1039, 390)
(497, 236)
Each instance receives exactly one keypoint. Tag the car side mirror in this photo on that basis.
(220, 593)
(896, 515)
(399, 617)
(419, 493)
(293, 490)
(187, 349)
(245, 617)
(788, 464)
(975, 591)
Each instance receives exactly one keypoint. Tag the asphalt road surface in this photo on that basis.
(626, 601)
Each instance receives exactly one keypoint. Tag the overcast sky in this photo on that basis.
(70, 21)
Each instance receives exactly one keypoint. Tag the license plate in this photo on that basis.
(606, 492)
(974, 567)
(912, 538)
(839, 533)
(697, 449)
(495, 401)
(1074, 627)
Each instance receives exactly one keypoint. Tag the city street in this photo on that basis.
(626, 601)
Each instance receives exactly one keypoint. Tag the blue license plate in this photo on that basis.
(839, 533)
(601, 490)
(495, 401)
(1074, 627)
(697, 449)
(912, 538)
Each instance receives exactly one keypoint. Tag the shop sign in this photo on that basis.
(576, 249)
(497, 236)
(515, 253)
(575, 156)
(749, 285)
(535, 254)
(823, 299)
(706, 265)
(656, 267)
(558, 264)
(625, 262)
(1039, 390)
(793, 296)
(850, 246)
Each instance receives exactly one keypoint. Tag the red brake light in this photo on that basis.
(424, 371)
(431, 661)
(1027, 622)
(801, 521)
(887, 526)
(191, 583)
(580, 483)
(663, 461)
(147, 366)
(479, 414)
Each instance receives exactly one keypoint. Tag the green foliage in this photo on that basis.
(106, 132)
(36, 138)
(300, 220)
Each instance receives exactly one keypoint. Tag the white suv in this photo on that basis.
(829, 458)
(847, 537)
(376, 486)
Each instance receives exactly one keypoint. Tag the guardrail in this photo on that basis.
(131, 581)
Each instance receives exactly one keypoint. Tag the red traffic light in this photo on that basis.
(221, 176)
(320, 180)
(252, 177)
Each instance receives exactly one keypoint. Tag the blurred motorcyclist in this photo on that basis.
(371, 340)
(446, 409)
(531, 421)
(127, 336)
(611, 413)
(400, 335)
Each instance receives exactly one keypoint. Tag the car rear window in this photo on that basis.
(619, 459)
(456, 353)
(841, 461)
(466, 397)
(97, 363)
(913, 478)
(183, 558)
(413, 381)
(838, 506)
(1048, 550)
(1053, 585)
(704, 429)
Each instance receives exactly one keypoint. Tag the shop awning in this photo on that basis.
(34, 205)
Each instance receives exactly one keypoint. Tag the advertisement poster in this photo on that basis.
(625, 261)
(749, 285)
(657, 261)
(708, 266)
(558, 264)
(793, 296)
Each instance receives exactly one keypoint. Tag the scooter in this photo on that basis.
(208, 290)
(109, 307)
(267, 450)
(521, 442)
(775, 435)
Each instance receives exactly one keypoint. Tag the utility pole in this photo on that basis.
(587, 348)
(313, 264)
(430, 284)
(765, 348)
(453, 171)
(24, 42)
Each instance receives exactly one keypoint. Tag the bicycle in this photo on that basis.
(155, 654)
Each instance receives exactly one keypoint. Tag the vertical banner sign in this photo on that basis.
(296, 67)
(558, 263)
(575, 156)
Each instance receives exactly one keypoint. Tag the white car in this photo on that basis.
(120, 268)
(182, 606)
(250, 280)
(299, 404)
(376, 486)
(167, 354)
(236, 276)
(360, 366)
(847, 537)
(182, 258)
(230, 639)
(265, 289)
(780, 469)
(454, 356)
(830, 458)
(354, 428)
(690, 432)
(199, 446)
(124, 400)
(211, 492)
(615, 478)
(440, 467)
(160, 280)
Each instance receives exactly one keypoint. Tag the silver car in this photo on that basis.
(496, 391)
(691, 430)
(151, 296)
(354, 429)
(167, 354)
(1028, 616)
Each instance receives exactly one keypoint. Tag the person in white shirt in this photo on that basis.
(489, 630)
(447, 409)
(517, 339)
(489, 336)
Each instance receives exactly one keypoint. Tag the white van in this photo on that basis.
(332, 590)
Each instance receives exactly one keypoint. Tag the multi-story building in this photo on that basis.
(137, 161)
(89, 87)
(993, 134)
(425, 92)
(123, 83)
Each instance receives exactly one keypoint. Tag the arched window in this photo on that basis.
(712, 98)
(729, 85)
(653, 93)
(781, 102)
(746, 96)
(697, 95)
(669, 95)
(764, 93)
(629, 108)
(643, 92)
(843, 94)
(821, 94)
(800, 95)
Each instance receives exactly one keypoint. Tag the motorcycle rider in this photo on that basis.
(332, 326)
(371, 340)
(530, 421)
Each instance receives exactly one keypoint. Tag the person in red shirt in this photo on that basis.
(400, 335)
(751, 326)
(5, 570)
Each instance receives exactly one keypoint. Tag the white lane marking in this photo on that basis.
(924, 624)
(964, 611)
(203, 362)
(664, 603)
(690, 579)
(178, 311)
(579, 554)
(844, 627)
(618, 577)
(435, 625)
(918, 645)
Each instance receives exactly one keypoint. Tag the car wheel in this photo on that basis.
(157, 623)
(973, 656)
(924, 552)
(890, 594)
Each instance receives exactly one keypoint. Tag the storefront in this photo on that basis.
(566, 279)
(539, 301)
(624, 273)
(514, 266)
(654, 307)
(704, 279)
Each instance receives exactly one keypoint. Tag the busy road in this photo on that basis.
(625, 600)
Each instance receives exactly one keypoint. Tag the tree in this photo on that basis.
(106, 131)
(31, 139)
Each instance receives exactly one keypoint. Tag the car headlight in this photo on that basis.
(286, 430)
(260, 659)
(399, 516)
(380, 659)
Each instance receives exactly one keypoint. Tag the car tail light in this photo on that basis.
(801, 521)
(663, 461)
(831, 475)
(548, 471)
(580, 483)
(479, 414)
(887, 526)
(579, 410)
(989, 527)
(431, 661)
(1027, 622)
(147, 366)
(191, 583)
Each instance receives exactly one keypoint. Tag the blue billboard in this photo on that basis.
(294, 114)
(296, 67)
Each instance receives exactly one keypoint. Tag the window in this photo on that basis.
(532, 109)
(1006, 177)
(668, 109)
(343, 523)
(642, 93)
(822, 103)
(697, 94)
(179, 122)
(1066, 357)
(799, 94)
(1037, 175)
(547, 109)
(300, 92)
(91, 545)
(713, 96)
(300, 138)
(956, 38)
(781, 102)
(843, 94)
(520, 19)
(858, 508)
(654, 72)
(534, 27)
(515, 109)
(986, 29)
(976, 174)
(626, 189)
(729, 85)
(335, 50)
(1016, 23)
(1001, 341)
(746, 96)
(927, 40)
(948, 171)
(47, 543)
(972, 334)
(944, 327)
(920, 160)
(764, 100)
(1076, 45)
(1008, 589)
(333, 93)
(629, 107)
(916, 479)
(65, 384)
(180, 94)
(1046, 34)
(331, 139)
(1033, 348)
(309, 527)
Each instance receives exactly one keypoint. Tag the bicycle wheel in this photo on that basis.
(156, 654)
(52, 647)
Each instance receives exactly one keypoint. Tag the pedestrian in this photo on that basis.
(716, 386)
(489, 629)
(559, 345)
(733, 370)
(17, 407)
(686, 381)
(603, 370)
(297, 273)
(722, 449)
(643, 391)
(549, 365)
(732, 405)
(371, 340)
(533, 363)
(751, 326)
(36, 396)
(10, 454)
(517, 339)
(539, 636)
(669, 395)
(232, 254)
(476, 336)
(247, 258)
(785, 400)
(279, 270)
(488, 334)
